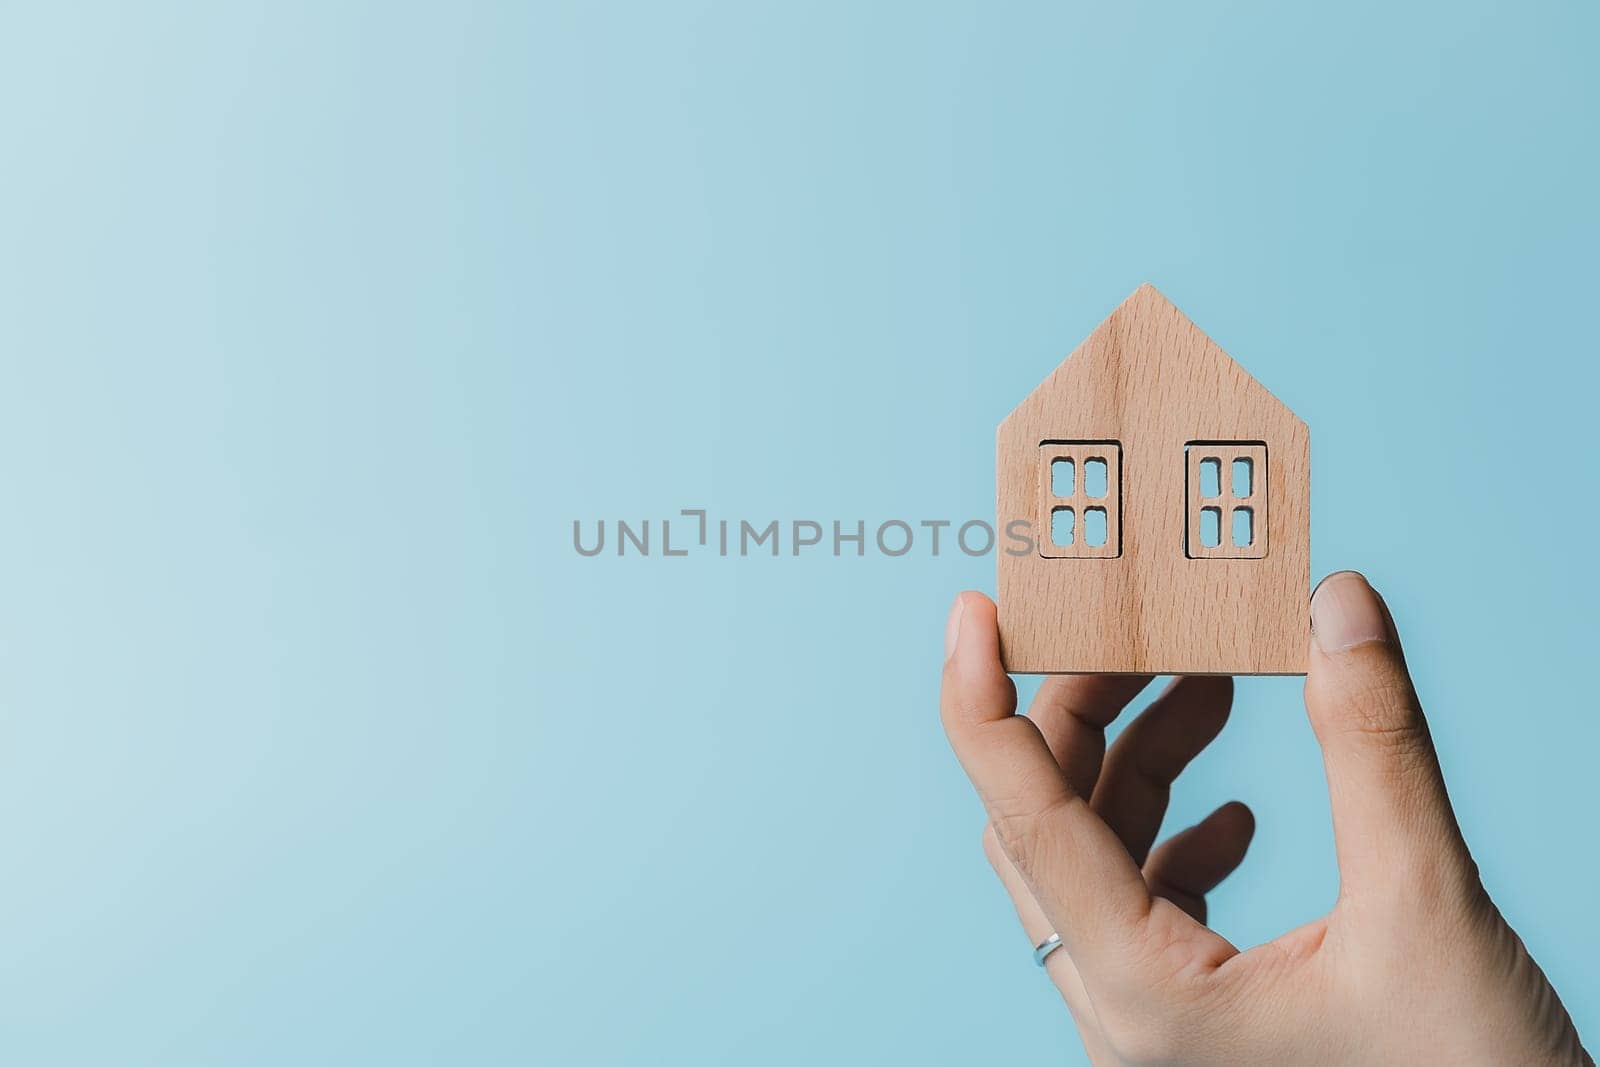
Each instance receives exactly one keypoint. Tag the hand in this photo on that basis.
(1414, 964)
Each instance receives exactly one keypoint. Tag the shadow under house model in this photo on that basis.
(1169, 496)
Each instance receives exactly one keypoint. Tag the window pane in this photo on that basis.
(1094, 526)
(1061, 477)
(1061, 520)
(1211, 527)
(1094, 477)
(1244, 533)
(1241, 477)
(1210, 477)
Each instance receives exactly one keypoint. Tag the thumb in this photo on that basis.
(1393, 826)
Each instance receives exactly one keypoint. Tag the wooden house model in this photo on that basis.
(1164, 495)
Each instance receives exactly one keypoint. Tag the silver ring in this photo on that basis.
(1045, 947)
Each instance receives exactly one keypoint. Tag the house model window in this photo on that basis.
(1226, 509)
(1080, 491)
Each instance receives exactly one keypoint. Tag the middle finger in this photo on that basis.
(1136, 784)
(1072, 711)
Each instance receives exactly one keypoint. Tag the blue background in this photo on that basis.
(321, 323)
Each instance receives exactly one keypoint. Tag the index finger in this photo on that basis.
(1079, 872)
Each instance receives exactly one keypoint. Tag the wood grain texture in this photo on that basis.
(1149, 381)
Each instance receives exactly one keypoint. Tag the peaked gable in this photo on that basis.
(1145, 343)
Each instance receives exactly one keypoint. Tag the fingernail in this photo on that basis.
(952, 629)
(1345, 613)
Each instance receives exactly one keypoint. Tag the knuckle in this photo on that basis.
(1025, 836)
(1402, 735)
(991, 847)
(1381, 694)
(1382, 708)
